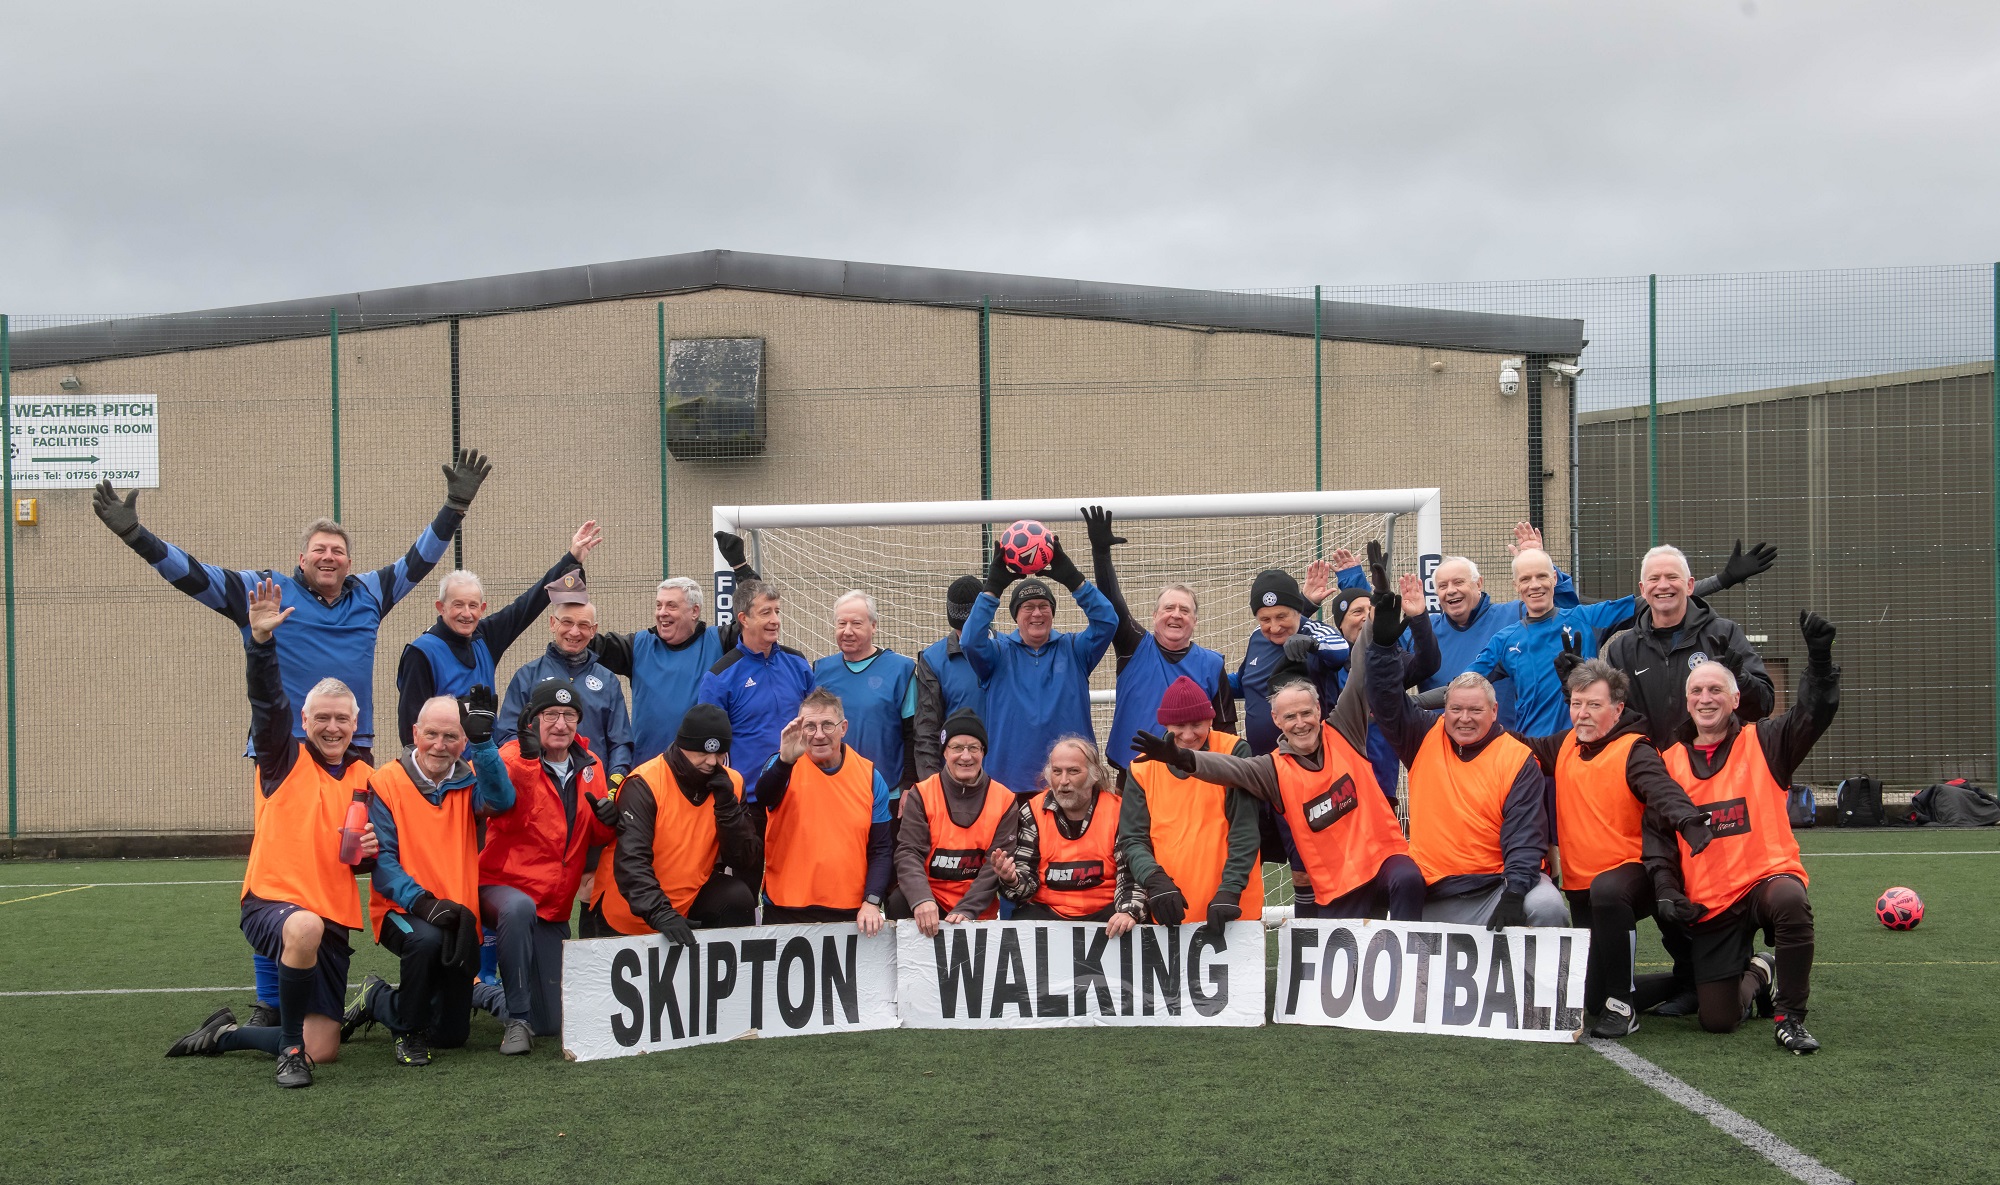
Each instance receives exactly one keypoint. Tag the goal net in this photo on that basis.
(906, 554)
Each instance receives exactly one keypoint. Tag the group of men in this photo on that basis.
(746, 780)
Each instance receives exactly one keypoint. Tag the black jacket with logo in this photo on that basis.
(1658, 661)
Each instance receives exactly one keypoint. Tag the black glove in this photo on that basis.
(1222, 910)
(461, 943)
(1511, 911)
(121, 517)
(462, 478)
(1300, 646)
(1378, 570)
(722, 796)
(1097, 521)
(1388, 616)
(1678, 911)
(731, 547)
(1741, 567)
(671, 925)
(1697, 834)
(476, 712)
(1154, 747)
(1062, 569)
(1818, 633)
(1163, 899)
(999, 574)
(606, 810)
(1571, 656)
(443, 914)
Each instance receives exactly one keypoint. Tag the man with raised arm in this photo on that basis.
(827, 856)
(759, 682)
(1674, 632)
(299, 898)
(952, 821)
(1064, 864)
(1608, 776)
(946, 682)
(463, 647)
(1202, 837)
(603, 720)
(665, 663)
(876, 687)
(1283, 611)
(1750, 878)
(1467, 617)
(1037, 677)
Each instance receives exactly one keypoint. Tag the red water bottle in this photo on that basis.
(351, 829)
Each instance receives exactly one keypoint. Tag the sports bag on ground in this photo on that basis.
(1801, 806)
(1857, 802)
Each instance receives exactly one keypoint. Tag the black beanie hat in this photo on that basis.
(963, 723)
(705, 729)
(1029, 590)
(1342, 600)
(958, 600)
(551, 693)
(1275, 586)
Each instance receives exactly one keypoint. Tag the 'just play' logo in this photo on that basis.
(1074, 875)
(1729, 818)
(1329, 808)
(957, 864)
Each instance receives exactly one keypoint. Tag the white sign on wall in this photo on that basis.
(623, 996)
(1044, 975)
(74, 442)
(1425, 977)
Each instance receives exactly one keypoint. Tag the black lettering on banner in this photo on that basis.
(1125, 972)
(757, 952)
(1335, 1004)
(1729, 818)
(1382, 948)
(837, 984)
(721, 977)
(798, 953)
(625, 964)
(1046, 1004)
(694, 986)
(1207, 1003)
(1010, 976)
(660, 990)
(1424, 946)
(1161, 968)
(1567, 1017)
(1329, 808)
(1461, 979)
(962, 971)
(1500, 994)
(957, 864)
(1070, 876)
(1301, 968)
(1088, 971)
(1533, 1016)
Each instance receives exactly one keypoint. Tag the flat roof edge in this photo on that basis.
(1900, 378)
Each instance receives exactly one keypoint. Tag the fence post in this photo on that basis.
(333, 350)
(986, 417)
(1653, 410)
(1319, 446)
(458, 536)
(7, 486)
(1992, 412)
(660, 331)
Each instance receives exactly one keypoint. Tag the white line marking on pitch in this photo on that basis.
(127, 991)
(1751, 1135)
(112, 884)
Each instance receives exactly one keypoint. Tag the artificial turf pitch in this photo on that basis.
(1902, 1092)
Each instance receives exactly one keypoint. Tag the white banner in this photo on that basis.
(72, 442)
(1044, 975)
(1421, 977)
(623, 996)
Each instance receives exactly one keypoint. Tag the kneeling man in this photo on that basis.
(826, 841)
(1064, 864)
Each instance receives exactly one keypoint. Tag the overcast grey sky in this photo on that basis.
(175, 156)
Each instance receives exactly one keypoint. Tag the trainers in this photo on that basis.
(203, 1041)
(1685, 1004)
(1617, 1020)
(411, 1050)
(1763, 1003)
(294, 1067)
(263, 1016)
(518, 1038)
(1791, 1034)
(360, 1015)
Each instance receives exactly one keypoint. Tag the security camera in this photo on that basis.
(1510, 381)
(1568, 370)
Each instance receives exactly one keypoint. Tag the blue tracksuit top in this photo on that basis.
(319, 640)
(1457, 646)
(1143, 683)
(873, 698)
(666, 682)
(1252, 679)
(605, 723)
(450, 676)
(1524, 653)
(761, 693)
(956, 678)
(1034, 696)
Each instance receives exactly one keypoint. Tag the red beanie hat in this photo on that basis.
(1184, 703)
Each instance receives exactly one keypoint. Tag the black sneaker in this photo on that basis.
(294, 1067)
(203, 1041)
(263, 1016)
(1791, 1034)
(1685, 1004)
(360, 1015)
(1763, 1003)
(1618, 1020)
(411, 1050)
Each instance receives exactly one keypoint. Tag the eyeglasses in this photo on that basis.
(571, 623)
(819, 728)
